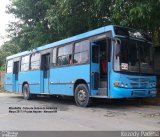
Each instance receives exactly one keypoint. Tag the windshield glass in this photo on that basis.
(133, 56)
(128, 32)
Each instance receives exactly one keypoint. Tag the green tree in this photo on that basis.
(143, 15)
(45, 21)
(31, 29)
(7, 49)
(70, 17)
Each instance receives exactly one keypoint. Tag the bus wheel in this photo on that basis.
(81, 95)
(26, 93)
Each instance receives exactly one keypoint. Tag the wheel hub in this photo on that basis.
(82, 95)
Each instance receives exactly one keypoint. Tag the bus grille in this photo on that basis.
(134, 85)
(143, 85)
(139, 79)
(139, 82)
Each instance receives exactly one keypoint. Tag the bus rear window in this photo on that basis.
(10, 66)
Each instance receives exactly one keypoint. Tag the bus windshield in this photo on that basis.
(133, 56)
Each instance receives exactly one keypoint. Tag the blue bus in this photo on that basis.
(109, 62)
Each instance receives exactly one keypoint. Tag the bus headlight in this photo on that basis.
(126, 86)
(154, 84)
(122, 85)
(151, 85)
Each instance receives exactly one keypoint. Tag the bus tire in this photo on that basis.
(81, 96)
(26, 92)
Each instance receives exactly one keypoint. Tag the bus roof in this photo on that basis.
(65, 41)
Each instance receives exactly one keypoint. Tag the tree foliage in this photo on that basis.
(6, 50)
(43, 21)
(143, 15)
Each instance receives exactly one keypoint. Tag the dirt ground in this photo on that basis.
(57, 114)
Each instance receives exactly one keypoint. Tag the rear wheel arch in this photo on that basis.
(79, 81)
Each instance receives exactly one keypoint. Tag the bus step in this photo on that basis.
(100, 96)
(102, 92)
(103, 84)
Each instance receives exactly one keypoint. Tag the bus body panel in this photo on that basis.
(44, 82)
(16, 84)
(132, 93)
(62, 79)
(131, 86)
(9, 81)
(33, 79)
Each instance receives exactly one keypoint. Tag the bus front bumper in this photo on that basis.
(118, 92)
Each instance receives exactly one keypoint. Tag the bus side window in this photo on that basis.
(64, 55)
(25, 63)
(54, 61)
(35, 61)
(81, 50)
(9, 66)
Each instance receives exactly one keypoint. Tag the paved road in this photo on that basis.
(104, 115)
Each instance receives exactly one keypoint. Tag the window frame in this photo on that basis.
(64, 55)
(54, 57)
(9, 67)
(72, 43)
(25, 63)
(83, 51)
(107, 34)
(30, 61)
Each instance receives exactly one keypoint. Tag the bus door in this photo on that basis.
(94, 68)
(15, 78)
(99, 68)
(45, 67)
